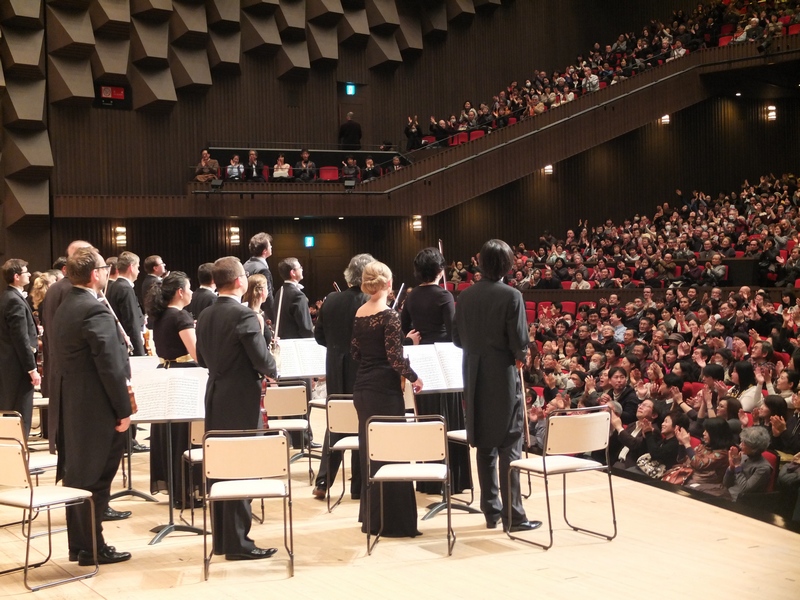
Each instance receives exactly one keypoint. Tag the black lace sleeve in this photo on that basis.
(355, 348)
(393, 341)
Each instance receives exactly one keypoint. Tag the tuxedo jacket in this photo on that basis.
(125, 305)
(295, 319)
(334, 330)
(18, 338)
(201, 300)
(90, 385)
(230, 344)
(52, 301)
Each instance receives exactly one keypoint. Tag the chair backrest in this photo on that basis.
(772, 459)
(342, 417)
(577, 431)
(329, 173)
(13, 464)
(11, 426)
(724, 40)
(286, 401)
(409, 401)
(407, 441)
(260, 454)
(197, 430)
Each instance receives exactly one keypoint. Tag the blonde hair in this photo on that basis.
(375, 277)
(40, 286)
(256, 284)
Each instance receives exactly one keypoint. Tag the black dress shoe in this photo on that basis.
(355, 496)
(254, 554)
(115, 515)
(106, 555)
(525, 526)
(314, 445)
(73, 556)
(137, 447)
(319, 493)
(492, 523)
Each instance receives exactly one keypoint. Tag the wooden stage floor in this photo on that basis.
(667, 546)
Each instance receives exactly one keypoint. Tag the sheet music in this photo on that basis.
(439, 366)
(169, 394)
(143, 363)
(302, 358)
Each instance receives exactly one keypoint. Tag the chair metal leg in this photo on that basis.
(330, 482)
(549, 517)
(451, 534)
(206, 554)
(369, 517)
(288, 543)
(613, 512)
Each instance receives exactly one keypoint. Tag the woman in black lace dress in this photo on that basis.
(377, 345)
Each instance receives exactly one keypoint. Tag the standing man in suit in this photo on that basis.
(491, 328)
(350, 134)
(18, 343)
(155, 270)
(231, 345)
(334, 330)
(91, 387)
(260, 250)
(206, 294)
(123, 302)
(55, 296)
(295, 319)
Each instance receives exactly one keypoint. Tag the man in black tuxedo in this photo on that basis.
(91, 387)
(294, 320)
(334, 330)
(155, 270)
(260, 250)
(350, 134)
(490, 326)
(231, 345)
(123, 302)
(206, 294)
(55, 296)
(18, 343)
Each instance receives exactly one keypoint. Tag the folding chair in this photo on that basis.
(288, 405)
(456, 436)
(569, 434)
(414, 448)
(342, 419)
(244, 465)
(193, 456)
(18, 492)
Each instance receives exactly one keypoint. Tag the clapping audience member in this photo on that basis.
(207, 169)
(305, 170)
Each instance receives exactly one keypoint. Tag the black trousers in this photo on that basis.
(79, 518)
(325, 478)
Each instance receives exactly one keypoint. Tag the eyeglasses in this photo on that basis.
(102, 267)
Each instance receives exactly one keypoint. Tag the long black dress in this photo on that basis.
(169, 346)
(378, 346)
(429, 309)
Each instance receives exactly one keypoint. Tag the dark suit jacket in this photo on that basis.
(123, 302)
(201, 300)
(90, 385)
(334, 330)
(230, 344)
(257, 265)
(490, 326)
(147, 283)
(295, 318)
(18, 338)
(55, 296)
(248, 171)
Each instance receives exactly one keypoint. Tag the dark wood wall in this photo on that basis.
(123, 153)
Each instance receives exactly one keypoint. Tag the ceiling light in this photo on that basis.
(738, 94)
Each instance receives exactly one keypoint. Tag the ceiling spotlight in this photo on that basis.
(548, 169)
(664, 120)
(738, 94)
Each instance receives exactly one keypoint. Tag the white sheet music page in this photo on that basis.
(451, 358)
(169, 394)
(302, 358)
(425, 362)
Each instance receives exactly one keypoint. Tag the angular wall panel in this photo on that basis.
(22, 53)
(261, 8)
(187, 25)
(152, 90)
(27, 155)
(149, 43)
(460, 11)
(259, 34)
(24, 104)
(224, 52)
(69, 81)
(487, 5)
(110, 61)
(292, 60)
(158, 11)
(353, 28)
(189, 68)
(324, 12)
(223, 15)
(111, 18)
(291, 19)
(433, 19)
(382, 16)
(409, 35)
(25, 199)
(323, 47)
(22, 14)
(382, 51)
(69, 33)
